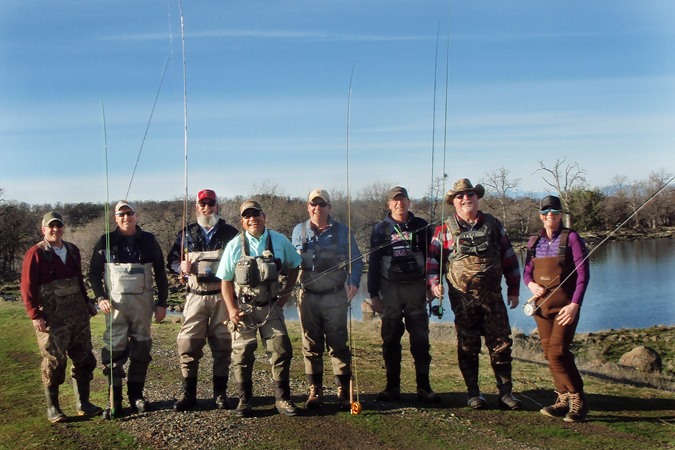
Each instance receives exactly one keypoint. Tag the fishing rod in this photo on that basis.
(437, 310)
(185, 137)
(353, 380)
(530, 307)
(106, 221)
(147, 126)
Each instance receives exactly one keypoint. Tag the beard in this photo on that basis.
(207, 221)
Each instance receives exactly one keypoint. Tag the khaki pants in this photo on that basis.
(323, 318)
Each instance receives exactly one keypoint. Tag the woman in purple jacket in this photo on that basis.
(556, 272)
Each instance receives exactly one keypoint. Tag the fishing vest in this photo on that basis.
(550, 271)
(256, 278)
(61, 299)
(322, 268)
(406, 262)
(202, 278)
(474, 264)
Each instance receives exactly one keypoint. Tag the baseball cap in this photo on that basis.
(552, 202)
(122, 203)
(50, 217)
(207, 193)
(320, 193)
(397, 190)
(249, 204)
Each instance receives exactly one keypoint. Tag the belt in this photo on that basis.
(329, 291)
(196, 292)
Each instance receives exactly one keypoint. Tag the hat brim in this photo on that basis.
(478, 189)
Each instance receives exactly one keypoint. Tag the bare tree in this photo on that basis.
(564, 178)
(498, 182)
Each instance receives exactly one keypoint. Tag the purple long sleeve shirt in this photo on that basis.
(576, 246)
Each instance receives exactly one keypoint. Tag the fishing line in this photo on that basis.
(530, 310)
(147, 127)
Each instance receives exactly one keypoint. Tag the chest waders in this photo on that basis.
(202, 279)
(474, 265)
(256, 281)
(323, 268)
(549, 272)
(406, 262)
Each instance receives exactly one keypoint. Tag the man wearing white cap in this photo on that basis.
(195, 256)
(122, 268)
(53, 292)
(328, 252)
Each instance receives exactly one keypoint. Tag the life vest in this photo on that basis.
(202, 279)
(474, 264)
(550, 271)
(323, 268)
(257, 277)
(405, 263)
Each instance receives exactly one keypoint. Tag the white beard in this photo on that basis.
(208, 221)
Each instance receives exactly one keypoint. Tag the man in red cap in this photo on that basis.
(194, 256)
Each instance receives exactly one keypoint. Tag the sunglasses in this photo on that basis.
(319, 204)
(461, 195)
(251, 213)
(555, 212)
(207, 203)
(125, 213)
(55, 224)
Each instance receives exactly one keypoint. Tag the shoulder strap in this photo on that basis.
(246, 250)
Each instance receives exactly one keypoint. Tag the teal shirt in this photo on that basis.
(283, 250)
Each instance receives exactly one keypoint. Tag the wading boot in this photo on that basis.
(82, 404)
(424, 391)
(138, 403)
(315, 397)
(283, 403)
(244, 408)
(559, 408)
(343, 392)
(506, 398)
(114, 410)
(188, 396)
(54, 413)
(578, 408)
(220, 393)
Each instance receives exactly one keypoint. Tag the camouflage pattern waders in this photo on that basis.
(69, 334)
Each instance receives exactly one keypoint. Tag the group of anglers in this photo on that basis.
(237, 282)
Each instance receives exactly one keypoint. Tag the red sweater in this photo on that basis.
(38, 270)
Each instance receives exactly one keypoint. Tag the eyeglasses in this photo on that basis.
(555, 212)
(207, 203)
(319, 204)
(251, 213)
(125, 213)
(55, 224)
(461, 195)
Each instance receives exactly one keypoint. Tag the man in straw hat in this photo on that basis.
(475, 253)
(53, 292)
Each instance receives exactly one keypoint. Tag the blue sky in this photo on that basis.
(268, 84)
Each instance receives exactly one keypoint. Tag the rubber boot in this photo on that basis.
(138, 403)
(343, 394)
(54, 413)
(315, 397)
(220, 393)
(82, 404)
(114, 410)
(283, 403)
(244, 408)
(506, 398)
(468, 365)
(424, 391)
(188, 396)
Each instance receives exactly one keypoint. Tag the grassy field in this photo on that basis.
(623, 416)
